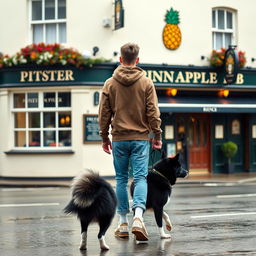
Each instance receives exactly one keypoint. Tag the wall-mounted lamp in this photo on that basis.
(223, 93)
(115, 53)
(203, 57)
(96, 98)
(253, 59)
(95, 49)
(171, 92)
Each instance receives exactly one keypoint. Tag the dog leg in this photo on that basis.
(168, 223)
(103, 244)
(84, 227)
(104, 225)
(83, 243)
(159, 220)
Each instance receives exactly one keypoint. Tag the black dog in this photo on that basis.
(160, 180)
(93, 200)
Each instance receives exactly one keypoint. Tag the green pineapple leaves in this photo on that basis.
(172, 17)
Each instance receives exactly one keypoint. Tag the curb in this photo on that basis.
(5, 182)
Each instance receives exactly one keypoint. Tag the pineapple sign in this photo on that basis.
(171, 32)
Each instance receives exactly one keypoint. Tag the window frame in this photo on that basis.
(225, 30)
(44, 22)
(41, 109)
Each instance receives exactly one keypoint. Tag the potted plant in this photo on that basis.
(229, 149)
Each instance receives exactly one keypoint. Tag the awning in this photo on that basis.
(207, 104)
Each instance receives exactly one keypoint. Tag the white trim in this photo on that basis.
(43, 21)
(41, 109)
(225, 30)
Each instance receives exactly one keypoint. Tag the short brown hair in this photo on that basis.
(130, 53)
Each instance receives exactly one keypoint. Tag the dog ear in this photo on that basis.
(177, 156)
(163, 155)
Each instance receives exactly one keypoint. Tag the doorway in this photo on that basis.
(199, 143)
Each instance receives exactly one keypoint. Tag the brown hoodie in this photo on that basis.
(129, 104)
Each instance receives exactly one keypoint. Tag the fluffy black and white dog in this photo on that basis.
(93, 200)
(160, 180)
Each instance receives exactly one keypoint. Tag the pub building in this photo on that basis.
(49, 119)
(49, 113)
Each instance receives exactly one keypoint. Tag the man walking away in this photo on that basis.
(129, 104)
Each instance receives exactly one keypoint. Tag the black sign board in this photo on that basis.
(119, 14)
(91, 129)
(231, 65)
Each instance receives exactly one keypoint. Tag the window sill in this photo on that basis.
(38, 152)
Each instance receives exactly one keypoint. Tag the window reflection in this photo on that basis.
(20, 138)
(34, 139)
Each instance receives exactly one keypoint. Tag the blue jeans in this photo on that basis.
(137, 152)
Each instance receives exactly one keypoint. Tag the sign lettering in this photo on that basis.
(210, 109)
(46, 76)
(188, 77)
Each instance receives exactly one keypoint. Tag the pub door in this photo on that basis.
(199, 143)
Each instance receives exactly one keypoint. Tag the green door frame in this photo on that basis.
(252, 143)
(222, 132)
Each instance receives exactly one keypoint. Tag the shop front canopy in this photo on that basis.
(206, 105)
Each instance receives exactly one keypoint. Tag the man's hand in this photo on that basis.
(107, 146)
(156, 144)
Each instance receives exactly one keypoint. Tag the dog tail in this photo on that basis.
(85, 189)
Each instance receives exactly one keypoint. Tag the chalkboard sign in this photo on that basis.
(91, 129)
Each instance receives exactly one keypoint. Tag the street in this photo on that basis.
(208, 219)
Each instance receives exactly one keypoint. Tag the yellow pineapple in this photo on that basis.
(171, 32)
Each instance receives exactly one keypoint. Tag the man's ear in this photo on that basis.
(137, 61)
(121, 60)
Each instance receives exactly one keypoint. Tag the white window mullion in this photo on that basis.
(56, 9)
(57, 128)
(217, 21)
(43, 10)
(214, 40)
(233, 38)
(44, 33)
(27, 132)
(41, 129)
(225, 20)
(223, 40)
(57, 33)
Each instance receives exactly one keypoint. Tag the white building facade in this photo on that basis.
(44, 120)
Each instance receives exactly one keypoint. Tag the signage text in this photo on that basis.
(46, 76)
(188, 77)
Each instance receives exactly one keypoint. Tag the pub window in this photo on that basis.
(42, 120)
(223, 28)
(48, 21)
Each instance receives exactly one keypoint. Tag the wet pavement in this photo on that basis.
(208, 219)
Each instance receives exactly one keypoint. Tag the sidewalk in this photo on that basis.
(239, 178)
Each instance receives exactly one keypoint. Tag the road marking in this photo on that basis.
(247, 180)
(235, 196)
(219, 184)
(28, 205)
(223, 215)
(28, 189)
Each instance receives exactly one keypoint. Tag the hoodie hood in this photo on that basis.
(127, 76)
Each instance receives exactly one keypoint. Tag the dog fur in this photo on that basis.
(93, 200)
(160, 181)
